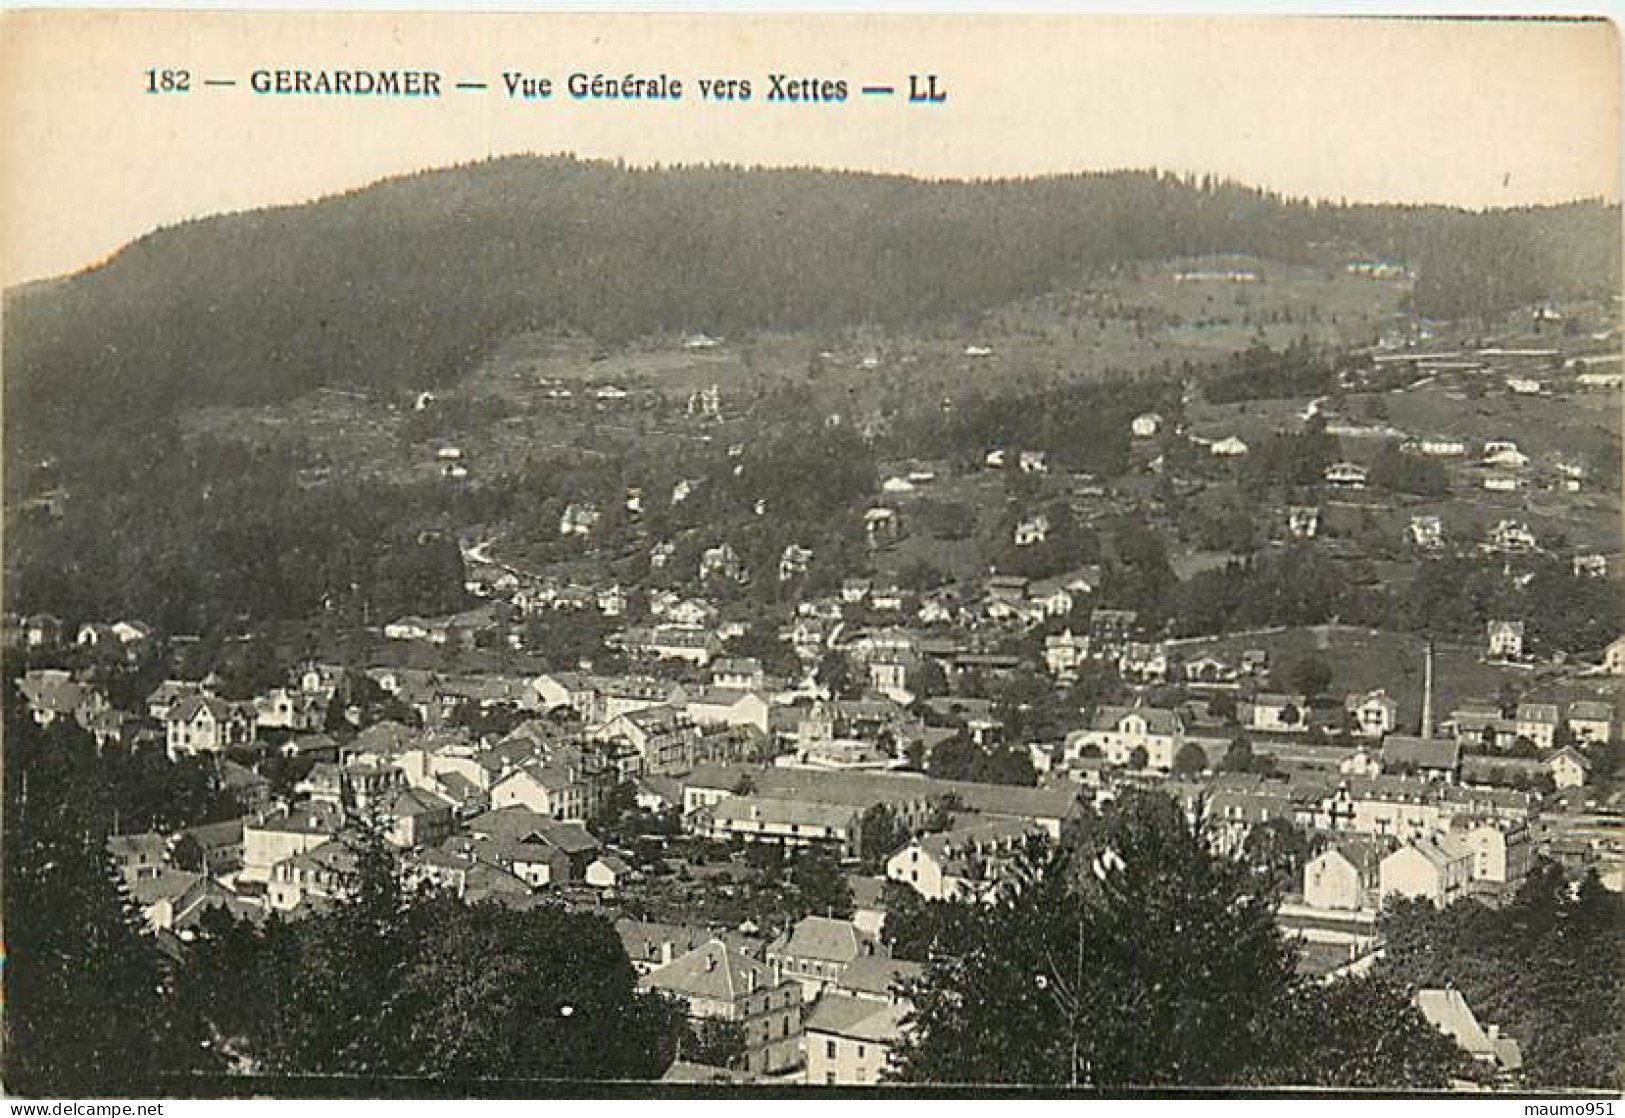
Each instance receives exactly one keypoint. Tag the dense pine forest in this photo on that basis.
(415, 279)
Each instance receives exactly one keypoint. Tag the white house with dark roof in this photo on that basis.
(1118, 731)
(1591, 721)
(817, 951)
(205, 724)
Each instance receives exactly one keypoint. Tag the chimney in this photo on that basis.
(1427, 691)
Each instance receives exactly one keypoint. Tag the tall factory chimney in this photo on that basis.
(1427, 690)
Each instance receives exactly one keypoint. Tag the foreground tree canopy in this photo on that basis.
(1137, 956)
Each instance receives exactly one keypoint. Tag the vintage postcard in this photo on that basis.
(822, 555)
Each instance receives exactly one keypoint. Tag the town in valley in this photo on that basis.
(701, 702)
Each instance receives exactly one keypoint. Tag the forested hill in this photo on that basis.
(411, 280)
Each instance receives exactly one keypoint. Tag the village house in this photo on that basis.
(1428, 758)
(1032, 530)
(719, 983)
(138, 856)
(1503, 851)
(1143, 662)
(1118, 731)
(966, 863)
(1374, 714)
(1109, 632)
(276, 836)
(662, 737)
(1537, 723)
(548, 789)
(794, 561)
(1344, 876)
(1064, 653)
(1146, 425)
(816, 952)
(204, 724)
(1591, 721)
(1569, 768)
(51, 694)
(849, 1040)
(1277, 713)
(1436, 868)
(1228, 447)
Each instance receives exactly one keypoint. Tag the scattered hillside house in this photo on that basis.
(1118, 731)
(1447, 1011)
(1524, 386)
(1032, 530)
(1435, 868)
(1613, 657)
(1110, 631)
(42, 630)
(1144, 661)
(1504, 454)
(850, 1039)
(1569, 768)
(1374, 714)
(967, 863)
(1502, 483)
(1427, 532)
(1033, 462)
(1278, 713)
(897, 485)
(284, 709)
(1228, 447)
(1591, 721)
(1504, 640)
(1428, 758)
(1537, 723)
(1511, 536)
(138, 856)
(608, 871)
(1064, 653)
(1303, 521)
(817, 951)
(880, 523)
(1344, 876)
(167, 694)
(719, 983)
(1208, 669)
(1590, 565)
(1050, 597)
(579, 519)
(1146, 425)
(722, 562)
(994, 459)
(53, 694)
(1349, 475)
(794, 562)
(204, 724)
(1442, 446)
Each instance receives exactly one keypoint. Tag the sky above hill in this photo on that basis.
(1472, 113)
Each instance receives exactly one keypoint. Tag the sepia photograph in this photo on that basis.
(811, 555)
